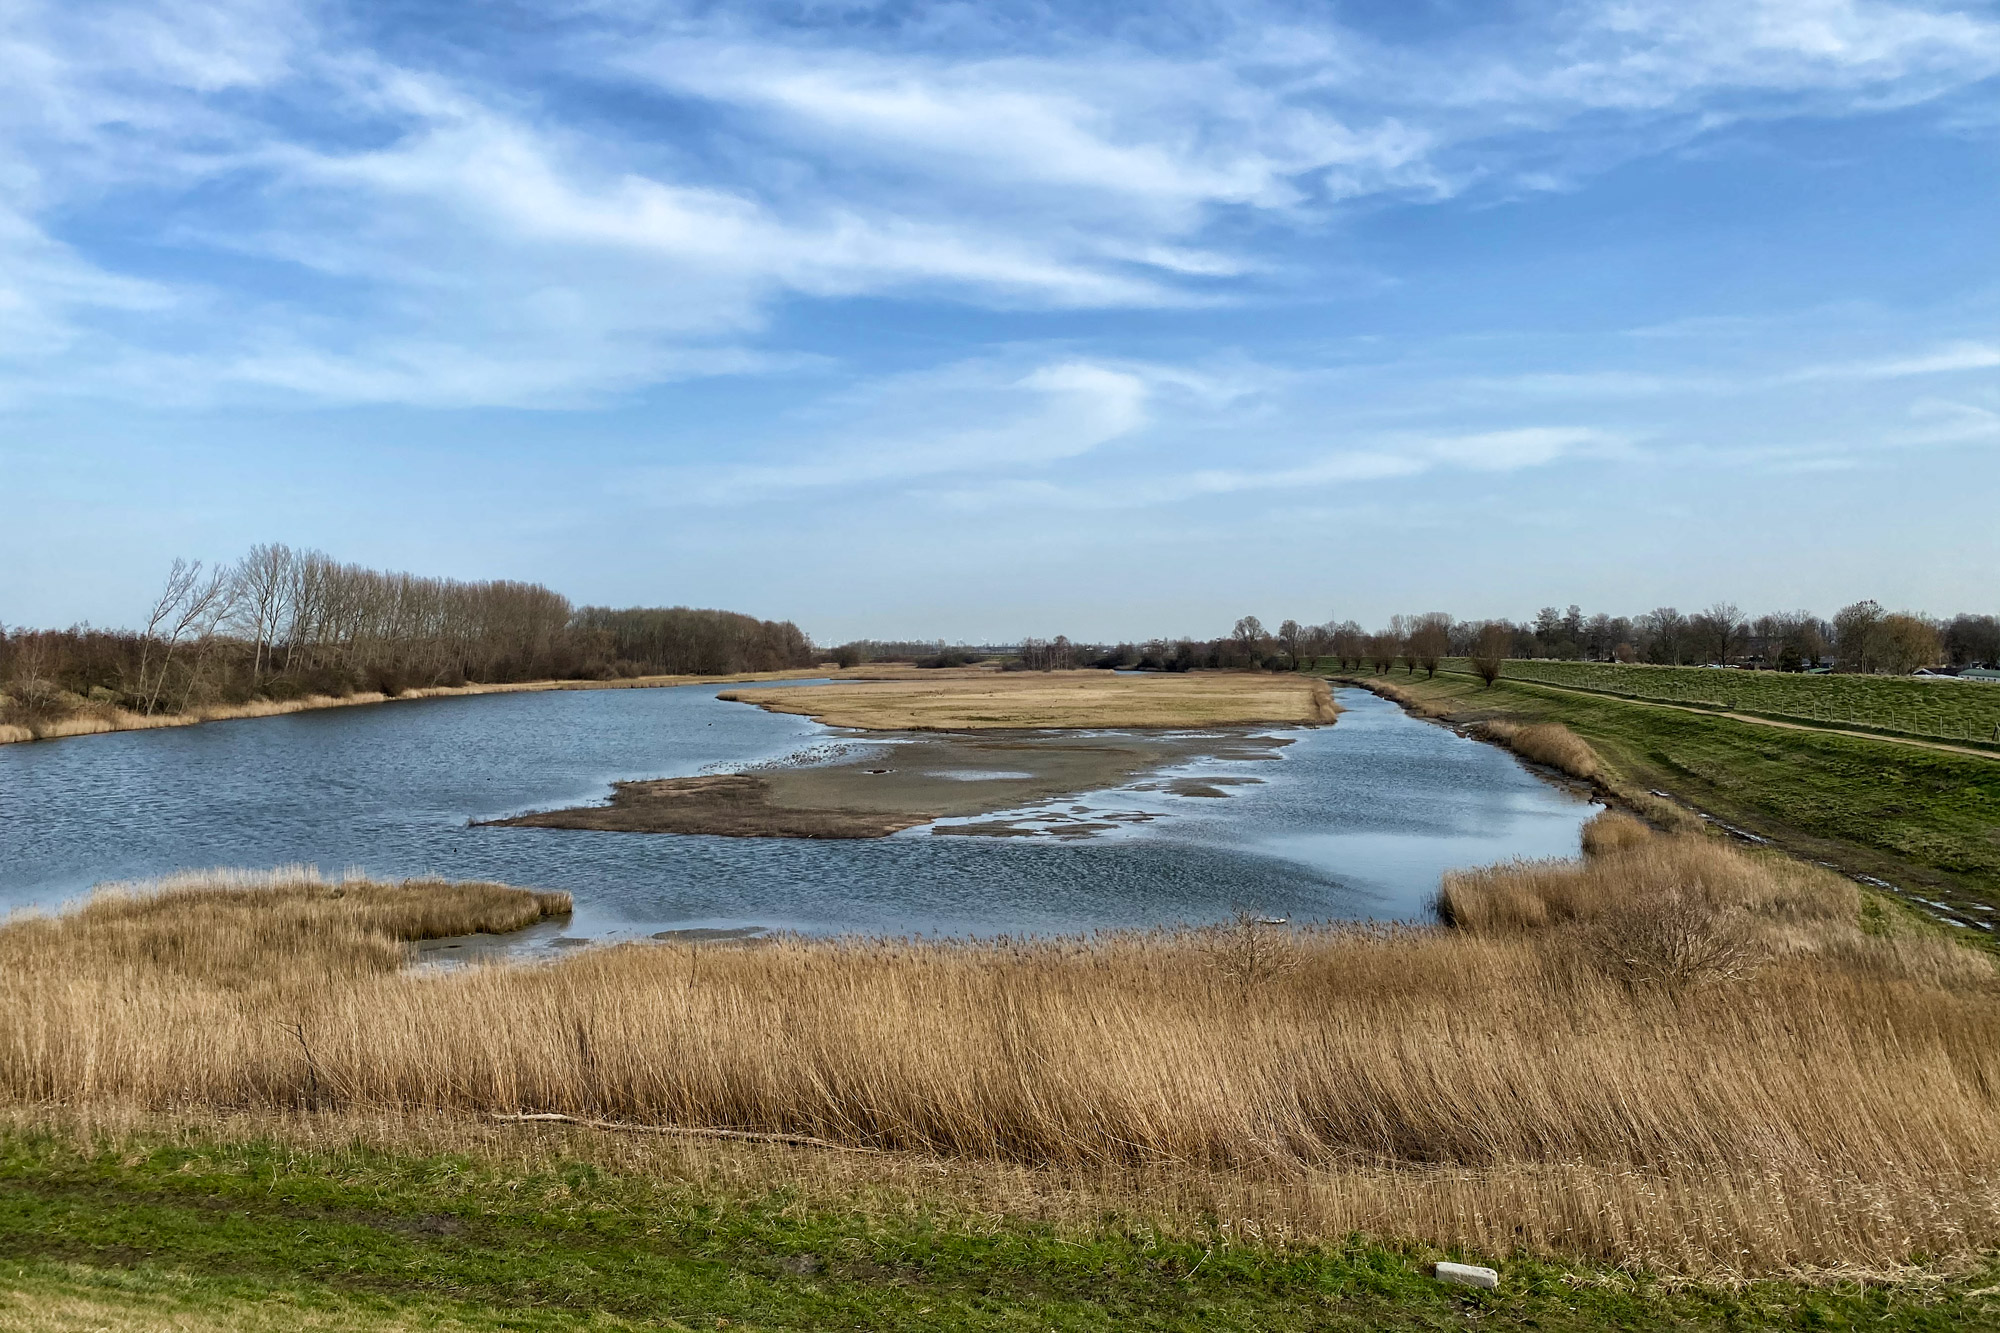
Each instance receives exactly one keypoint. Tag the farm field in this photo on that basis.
(1943, 710)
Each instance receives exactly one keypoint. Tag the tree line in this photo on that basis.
(283, 623)
(1862, 637)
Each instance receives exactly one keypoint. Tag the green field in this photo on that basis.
(153, 1233)
(1944, 710)
(1927, 820)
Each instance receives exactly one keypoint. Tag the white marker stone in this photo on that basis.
(1467, 1275)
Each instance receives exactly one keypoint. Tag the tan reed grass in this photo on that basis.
(979, 700)
(99, 719)
(1549, 743)
(1511, 1081)
(1614, 831)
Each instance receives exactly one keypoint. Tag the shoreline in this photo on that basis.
(112, 720)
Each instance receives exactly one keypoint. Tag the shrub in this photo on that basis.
(1613, 831)
(1549, 743)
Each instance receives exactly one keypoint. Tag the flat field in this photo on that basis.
(1942, 710)
(978, 700)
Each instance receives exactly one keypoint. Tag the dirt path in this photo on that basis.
(1944, 746)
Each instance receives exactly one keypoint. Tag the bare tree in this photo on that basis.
(212, 604)
(1721, 625)
(1857, 632)
(1292, 637)
(262, 578)
(1665, 630)
(1909, 642)
(1490, 649)
(167, 608)
(1430, 640)
(1382, 651)
(1249, 636)
(188, 607)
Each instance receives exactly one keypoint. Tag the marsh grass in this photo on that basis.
(1506, 1083)
(88, 718)
(977, 700)
(1549, 743)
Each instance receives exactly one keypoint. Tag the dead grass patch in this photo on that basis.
(975, 700)
(1549, 743)
(1507, 1082)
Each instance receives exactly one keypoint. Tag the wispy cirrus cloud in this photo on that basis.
(1945, 360)
(306, 202)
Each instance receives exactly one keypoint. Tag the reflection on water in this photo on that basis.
(1355, 820)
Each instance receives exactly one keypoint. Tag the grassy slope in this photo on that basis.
(1924, 819)
(1959, 712)
(146, 1234)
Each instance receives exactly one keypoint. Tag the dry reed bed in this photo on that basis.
(982, 700)
(98, 719)
(1541, 1075)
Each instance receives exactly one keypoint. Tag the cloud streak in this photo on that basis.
(302, 203)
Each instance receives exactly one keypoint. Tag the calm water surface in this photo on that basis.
(1357, 820)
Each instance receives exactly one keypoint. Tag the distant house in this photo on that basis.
(1980, 673)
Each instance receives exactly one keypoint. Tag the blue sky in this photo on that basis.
(977, 321)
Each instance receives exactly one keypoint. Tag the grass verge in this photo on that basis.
(198, 1231)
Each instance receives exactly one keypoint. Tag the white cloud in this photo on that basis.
(969, 419)
(313, 215)
(1944, 360)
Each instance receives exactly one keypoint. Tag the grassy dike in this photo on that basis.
(1923, 819)
(195, 1232)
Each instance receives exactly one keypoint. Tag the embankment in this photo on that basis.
(1915, 817)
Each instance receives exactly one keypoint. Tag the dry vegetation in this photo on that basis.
(976, 700)
(1673, 1053)
(92, 719)
(1549, 743)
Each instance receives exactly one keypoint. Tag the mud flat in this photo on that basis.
(901, 780)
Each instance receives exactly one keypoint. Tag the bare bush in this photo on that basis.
(1677, 938)
(1250, 950)
(1492, 648)
(1614, 831)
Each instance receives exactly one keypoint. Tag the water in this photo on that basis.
(1353, 821)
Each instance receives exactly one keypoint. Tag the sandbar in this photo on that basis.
(985, 700)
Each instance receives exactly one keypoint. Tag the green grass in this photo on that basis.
(1944, 710)
(1927, 820)
(201, 1234)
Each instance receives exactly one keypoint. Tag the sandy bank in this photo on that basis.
(885, 788)
(978, 700)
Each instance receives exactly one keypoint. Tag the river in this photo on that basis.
(1357, 820)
